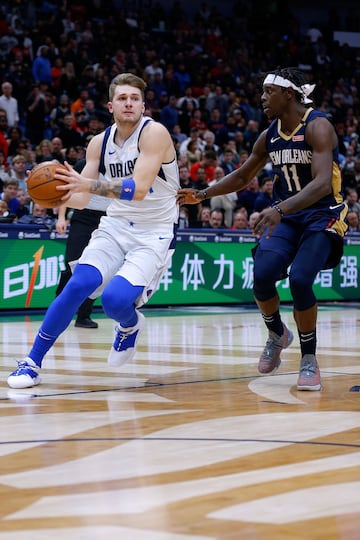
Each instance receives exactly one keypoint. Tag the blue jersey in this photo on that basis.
(291, 159)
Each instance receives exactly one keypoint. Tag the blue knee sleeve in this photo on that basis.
(309, 260)
(269, 267)
(118, 301)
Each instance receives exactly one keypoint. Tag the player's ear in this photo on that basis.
(289, 93)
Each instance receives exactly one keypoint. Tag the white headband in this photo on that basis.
(305, 90)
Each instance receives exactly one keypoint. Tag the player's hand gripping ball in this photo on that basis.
(41, 184)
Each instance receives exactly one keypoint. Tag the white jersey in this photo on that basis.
(159, 205)
(99, 203)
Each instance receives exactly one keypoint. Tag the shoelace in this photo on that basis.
(270, 344)
(120, 338)
(22, 364)
(309, 369)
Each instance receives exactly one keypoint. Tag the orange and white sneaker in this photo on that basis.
(309, 374)
(270, 358)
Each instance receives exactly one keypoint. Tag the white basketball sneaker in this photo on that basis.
(124, 346)
(25, 376)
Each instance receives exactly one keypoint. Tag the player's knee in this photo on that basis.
(301, 290)
(113, 303)
(264, 289)
(85, 279)
(118, 296)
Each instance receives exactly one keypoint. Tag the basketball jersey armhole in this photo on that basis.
(102, 154)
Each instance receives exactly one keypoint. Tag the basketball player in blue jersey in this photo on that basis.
(133, 162)
(303, 230)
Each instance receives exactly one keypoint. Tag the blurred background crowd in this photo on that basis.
(204, 70)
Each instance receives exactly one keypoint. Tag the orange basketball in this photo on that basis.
(41, 184)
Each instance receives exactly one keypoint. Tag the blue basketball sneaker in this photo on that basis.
(25, 376)
(124, 346)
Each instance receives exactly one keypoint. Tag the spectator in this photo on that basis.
(94, 127)
(178, 135)
(353, 221)
(352, 200)
(348, 169)
(208, 163)
(225, 202)
(18, 171)
(9, 104)
(194, 134)
(193, 154)
(251, 133)
(38, 216)
(184, 217)
(217, 219)
(169, 114)
(4, 145)
(209, 142)
(79, 103)
(4, 169)
(68, 83)
(227, 161)
(14, 138)
(182, 76)
(158, 86)
(57, 152)
(240, 221)
(197, 120)
(41, 67)
(185, 117)
(219, 100)
(201, 179)
(216, 124)
(24, 203)
(57, 113)
(35, 114)
(5, 215)
(43, 150)
(152, 69)
(253, 219)
(186, 98)
(246, 197)
(203, 221)
(10, 187)
(69, 135)
(185, 181)
(228, 132)
(264, 198)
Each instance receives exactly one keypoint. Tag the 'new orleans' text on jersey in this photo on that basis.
(290, 156)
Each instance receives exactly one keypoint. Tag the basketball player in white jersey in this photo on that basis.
(133, 162)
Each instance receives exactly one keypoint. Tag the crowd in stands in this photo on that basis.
(204, 73)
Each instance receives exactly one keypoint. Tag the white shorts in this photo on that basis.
(140, 253)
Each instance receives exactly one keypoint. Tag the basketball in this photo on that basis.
(41, 184)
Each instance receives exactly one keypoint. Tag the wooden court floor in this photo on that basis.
(187, 442)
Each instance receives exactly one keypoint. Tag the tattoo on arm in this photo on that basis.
(107, 189)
